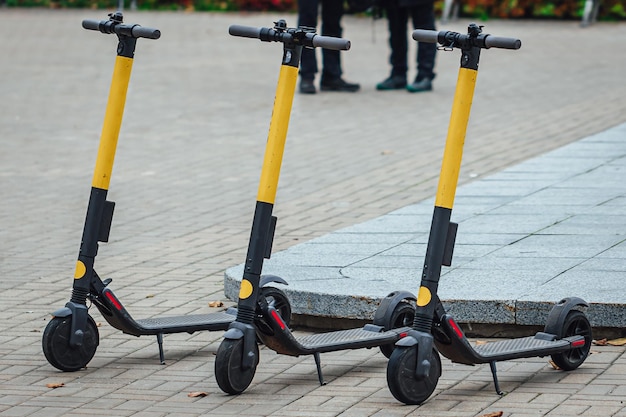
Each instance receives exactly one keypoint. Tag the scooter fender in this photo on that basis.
(266, 279)
(62, 312)
(78, 313)
(383, 313)
(423, 342)
(557, 315)
(233, 334)
(246, 332)
(407, 341)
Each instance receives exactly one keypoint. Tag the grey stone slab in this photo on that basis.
(528, 236)
(605, 290)
(527, 223)
(589, 224)
(558, 246)
(560, 196)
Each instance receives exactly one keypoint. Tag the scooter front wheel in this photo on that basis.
(402, 316)
(56, 344)
(401, 379)
(229, 372)
(575, 324)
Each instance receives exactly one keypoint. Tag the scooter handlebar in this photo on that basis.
(244, 31)
(329, 42)
(305, 38)
(448, 38)
(134, 31)
(423, 35)
(500, 42)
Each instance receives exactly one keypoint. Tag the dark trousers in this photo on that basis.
(423, 17)
(332, 11)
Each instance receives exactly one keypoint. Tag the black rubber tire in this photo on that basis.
(277, 299)
(575, 324)
(402, 316)
(56, 345)
(401, 375)
(231, 378)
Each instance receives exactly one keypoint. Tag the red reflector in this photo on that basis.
(578, 343)
(456, 328)
(278, 319)
(113, 300)
(403, 334)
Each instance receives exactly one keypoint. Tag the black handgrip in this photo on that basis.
(423, 35)
(329, 42)
(245, 31)
(144, 32)
(91, 24)
(500, 42)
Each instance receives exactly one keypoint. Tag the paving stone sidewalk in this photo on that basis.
(185, 180)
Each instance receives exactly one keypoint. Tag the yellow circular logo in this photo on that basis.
(80, 270)
(245, 290)
(423, 297)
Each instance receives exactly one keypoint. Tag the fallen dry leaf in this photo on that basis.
(216, 304)
(494, 414)
(150, 296)
(601, 342)
(55, 385)
(617, 342)
(197, 394)
(554, 365)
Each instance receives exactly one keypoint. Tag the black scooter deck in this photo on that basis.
(365, 337)
(346, 339)
(117, 316)
(519, 348)
(195, 322)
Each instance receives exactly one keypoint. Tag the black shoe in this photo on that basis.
(425, 84)
(394, 82)
(338, 84)
(307, 87)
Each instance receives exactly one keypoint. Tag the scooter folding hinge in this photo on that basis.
(269, 241)
(449, 247)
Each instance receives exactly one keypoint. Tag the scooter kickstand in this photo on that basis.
(160, 342)
(318, 365)
(496, 384)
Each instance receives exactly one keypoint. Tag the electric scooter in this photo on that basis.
(415, 366)
(71, 337)
(238, 354)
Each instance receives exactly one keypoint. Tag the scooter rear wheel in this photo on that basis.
(402, 316)
(277, 299)
(57, 349)
(229, 373)
(401, 379)
(575, 324)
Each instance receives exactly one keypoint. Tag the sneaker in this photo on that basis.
(394, 82)
(338, 84)
(425, 84)
(307, 87)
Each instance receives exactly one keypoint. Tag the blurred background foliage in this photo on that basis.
(610, 10)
